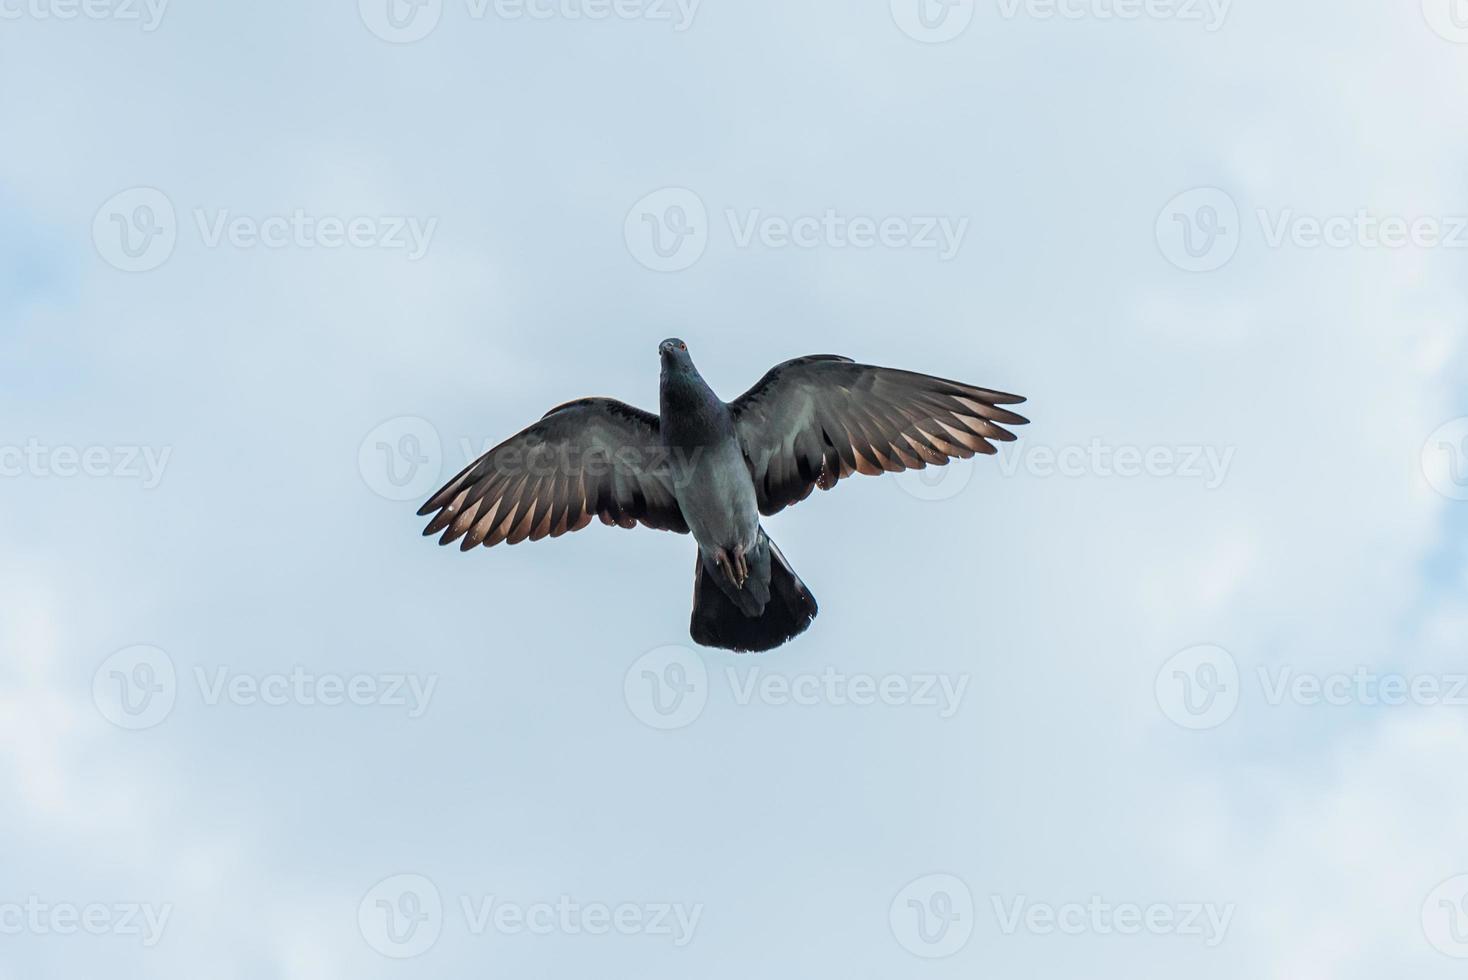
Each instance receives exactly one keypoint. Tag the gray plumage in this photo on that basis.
(713, 468)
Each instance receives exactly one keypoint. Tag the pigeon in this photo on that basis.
(713, 468)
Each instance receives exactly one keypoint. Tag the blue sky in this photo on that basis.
(1138, 670)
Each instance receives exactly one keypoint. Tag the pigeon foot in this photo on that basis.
(736, 567)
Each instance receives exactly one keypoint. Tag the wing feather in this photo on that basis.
(814, 421)
(591, 458)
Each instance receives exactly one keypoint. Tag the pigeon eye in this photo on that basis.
(682, 346)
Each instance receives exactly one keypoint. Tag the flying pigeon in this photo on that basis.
(711, 467)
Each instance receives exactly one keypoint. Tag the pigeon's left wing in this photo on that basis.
(815, 420)
(593, 457)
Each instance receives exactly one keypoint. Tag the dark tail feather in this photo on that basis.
(719, 622)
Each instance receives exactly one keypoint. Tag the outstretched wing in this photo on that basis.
(590, 457)
(815, 420)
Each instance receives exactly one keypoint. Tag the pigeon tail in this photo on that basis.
(719, 621)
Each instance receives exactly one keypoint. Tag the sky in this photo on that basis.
(1175, 685)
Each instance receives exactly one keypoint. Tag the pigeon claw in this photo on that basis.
(736, 567)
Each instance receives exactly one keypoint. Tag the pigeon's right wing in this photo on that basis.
(596, 456)
(815, 420)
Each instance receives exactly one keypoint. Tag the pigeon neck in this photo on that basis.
(687, 403)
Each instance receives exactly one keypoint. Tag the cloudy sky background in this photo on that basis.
(270, 376)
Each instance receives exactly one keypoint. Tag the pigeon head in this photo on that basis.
(674, 353)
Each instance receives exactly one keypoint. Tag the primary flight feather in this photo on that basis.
(711, 467)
